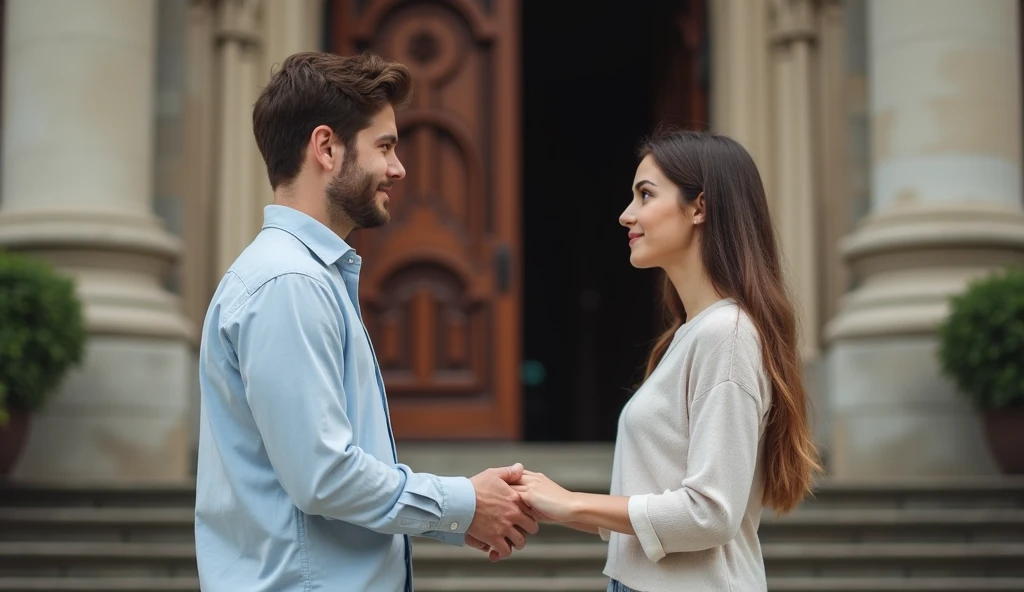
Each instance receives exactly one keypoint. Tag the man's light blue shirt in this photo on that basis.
(298, 484)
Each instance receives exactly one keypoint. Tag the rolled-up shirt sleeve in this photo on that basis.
(288, 338)
(707, 510)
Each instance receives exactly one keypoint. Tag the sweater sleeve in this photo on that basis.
(707, 510)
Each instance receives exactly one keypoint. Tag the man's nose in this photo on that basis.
(396, 170)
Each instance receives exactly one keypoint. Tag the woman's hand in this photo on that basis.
(546, 497)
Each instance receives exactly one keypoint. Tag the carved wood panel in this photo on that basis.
(440, 289)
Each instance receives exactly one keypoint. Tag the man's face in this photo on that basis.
(359, 192)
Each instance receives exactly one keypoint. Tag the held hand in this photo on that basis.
(545, 497)
(539, 517)
(499, 511)
(481, 546)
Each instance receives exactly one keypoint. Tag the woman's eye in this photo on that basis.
(645, 194)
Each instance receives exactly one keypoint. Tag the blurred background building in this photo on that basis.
(500, 298)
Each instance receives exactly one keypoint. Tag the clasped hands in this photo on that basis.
(510, 501)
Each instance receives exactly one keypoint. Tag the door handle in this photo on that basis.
(503, 268)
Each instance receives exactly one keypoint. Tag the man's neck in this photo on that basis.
(314, 206)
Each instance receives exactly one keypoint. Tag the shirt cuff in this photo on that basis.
(605, 534)
(459, 505)
(641, 522)
(448, 538)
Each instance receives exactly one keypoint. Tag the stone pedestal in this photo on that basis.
(77, 190)
(946, 207)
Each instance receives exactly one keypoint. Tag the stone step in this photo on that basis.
(599, 584)
(99, 584)
(894, 559)
(781, 559)
(157, 524)
(171, 524)
(894, 525)
(534, 584)
(92, 559)
(585, 475)
(27, 559)
(1001, 491)
(895, 584)
(174, 495)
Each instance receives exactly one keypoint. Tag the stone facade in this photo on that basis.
(887, 132)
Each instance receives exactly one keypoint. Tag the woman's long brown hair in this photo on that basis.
(741, 257)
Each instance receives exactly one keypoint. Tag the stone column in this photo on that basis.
(233, 46)
(795, 205)
(241, 191)
(740, 79)
(79, 81)
(946, 207)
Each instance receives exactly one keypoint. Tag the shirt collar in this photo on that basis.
(324, 243)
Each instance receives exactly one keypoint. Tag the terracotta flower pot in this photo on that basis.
(1004, 429)
(12, 439)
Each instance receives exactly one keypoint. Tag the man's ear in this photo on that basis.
(327, 151)
(698, 208)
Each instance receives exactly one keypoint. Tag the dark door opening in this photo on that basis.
(594, 83)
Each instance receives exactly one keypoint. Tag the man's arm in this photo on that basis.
(288, 341)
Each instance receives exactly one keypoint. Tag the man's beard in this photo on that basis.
(352, 196)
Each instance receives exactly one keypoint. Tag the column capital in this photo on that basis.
(792, 21)
(239, 21)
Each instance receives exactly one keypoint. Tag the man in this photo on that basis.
(298, 484)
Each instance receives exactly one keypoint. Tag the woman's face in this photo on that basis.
(661, 229)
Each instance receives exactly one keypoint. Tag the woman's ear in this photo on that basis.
(698, 209)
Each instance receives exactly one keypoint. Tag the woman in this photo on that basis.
(718, 428)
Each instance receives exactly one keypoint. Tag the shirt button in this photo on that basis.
(350, 260)
(455, 526)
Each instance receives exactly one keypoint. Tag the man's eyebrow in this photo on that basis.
(389, 138)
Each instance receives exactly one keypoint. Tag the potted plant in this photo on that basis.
(981, 347)
(42, 335)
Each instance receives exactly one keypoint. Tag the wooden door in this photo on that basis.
(440, 287)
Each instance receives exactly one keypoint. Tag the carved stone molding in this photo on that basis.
(239, 21)
(792, 20)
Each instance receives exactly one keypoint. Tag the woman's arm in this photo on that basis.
(539, 517)
(610, 512)
(583, 511)
(582, 527)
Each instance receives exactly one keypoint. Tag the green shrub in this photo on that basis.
(981, 343)
(42, 332)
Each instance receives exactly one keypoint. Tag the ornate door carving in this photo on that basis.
(440, 288)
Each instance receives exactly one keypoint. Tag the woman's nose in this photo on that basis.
(626, 218)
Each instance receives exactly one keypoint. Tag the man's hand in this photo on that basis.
(482, 546)
(501, 518)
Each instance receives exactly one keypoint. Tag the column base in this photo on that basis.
(118, 261)
(912, 258)
(891, 411)
(893, 415)
(124, 415)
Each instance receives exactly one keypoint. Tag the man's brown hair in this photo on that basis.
(314, 88)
